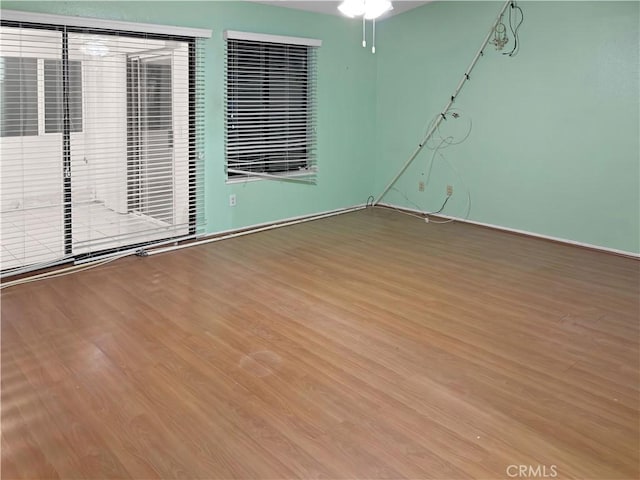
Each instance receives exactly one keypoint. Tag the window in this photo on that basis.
(20, 83)
(270, 108)
(19, 93)
(53, 101)
(116, 159)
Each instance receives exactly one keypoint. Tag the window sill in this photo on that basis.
(285, 176)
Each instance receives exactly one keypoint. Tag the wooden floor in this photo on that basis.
(367, 345)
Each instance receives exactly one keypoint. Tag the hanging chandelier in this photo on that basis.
(369, 10)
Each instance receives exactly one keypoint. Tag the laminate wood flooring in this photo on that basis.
(365, 345)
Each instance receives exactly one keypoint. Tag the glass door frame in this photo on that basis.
(139, 131)
(66, 137)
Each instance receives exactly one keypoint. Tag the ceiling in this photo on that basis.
(331, 7)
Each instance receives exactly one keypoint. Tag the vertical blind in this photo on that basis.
(270, 106)
(101, 145)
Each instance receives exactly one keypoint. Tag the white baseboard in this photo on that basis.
(325, 213)
(199, 240)
(524, 232)
(256, 228)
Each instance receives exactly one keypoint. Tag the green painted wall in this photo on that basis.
(346, 103)
(554, 148)
(555, 143)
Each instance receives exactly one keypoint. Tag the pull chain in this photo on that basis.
(373, 40)
(364, 29)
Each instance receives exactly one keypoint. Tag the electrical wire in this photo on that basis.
(466, 187)
(404, 212)
(418, 206)
(63, 272)
(421, 216)
(514, 31)
(445, 142)
(41, 266)
(444, 204)
(455, 113)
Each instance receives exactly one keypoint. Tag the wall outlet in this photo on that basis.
(449, 190)
(232, 200)
(421, 186)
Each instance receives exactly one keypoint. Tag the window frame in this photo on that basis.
(309, 95)
(32, 132)
(41, 99)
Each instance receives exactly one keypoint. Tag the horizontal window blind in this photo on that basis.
(19, 87)
(270, 107)
(53, 96)
(102, 142)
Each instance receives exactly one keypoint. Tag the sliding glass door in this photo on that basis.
(97, 143)
(130, 175)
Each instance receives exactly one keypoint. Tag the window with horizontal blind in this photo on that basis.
(270, 106)
(19, 93)
(102, 138)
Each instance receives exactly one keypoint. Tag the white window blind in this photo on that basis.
(101, 145)
(270, 106)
